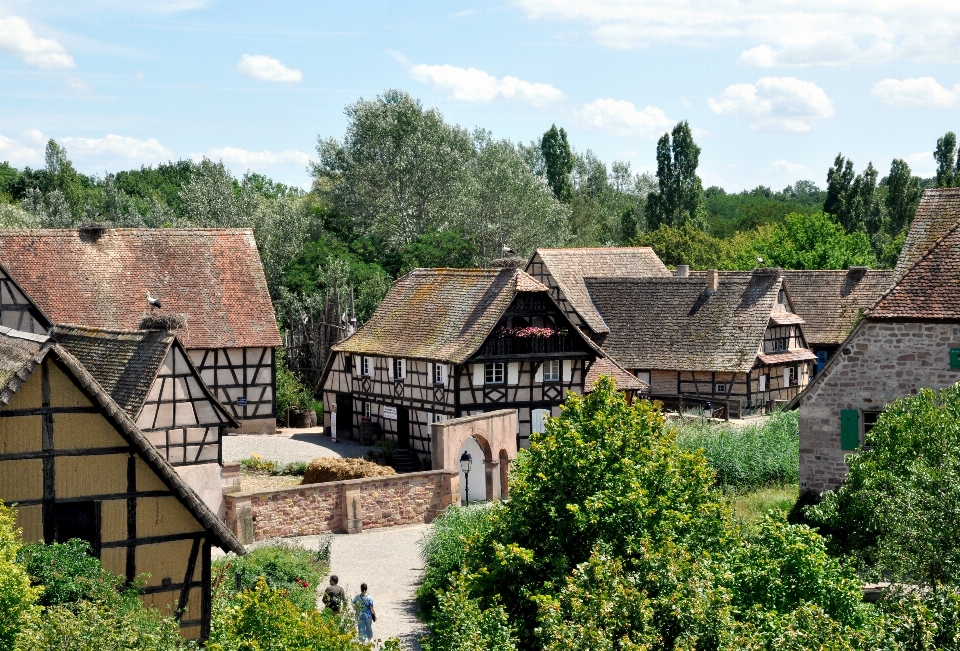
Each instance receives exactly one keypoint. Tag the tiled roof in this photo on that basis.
(831, 301)
(787, 318)
(439, 314)
(626, 381)
(930, 289)
(800, 355)
(20, 353)
(677, 324)
(569, 267)
(938, 211)
(212, 276)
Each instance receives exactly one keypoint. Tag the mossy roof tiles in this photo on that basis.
(937, 213)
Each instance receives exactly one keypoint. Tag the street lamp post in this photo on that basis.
(466, 461)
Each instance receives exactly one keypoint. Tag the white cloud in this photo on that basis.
(778, 32)
(79, 86)
(264, 68)
(242, 159)
(19, 154)
(920, 92)
(18, 40)
(36, 136)
(787, 168)
(783, 103)
(922, 164)
(475, 85)
(113, 150)
(622, 117)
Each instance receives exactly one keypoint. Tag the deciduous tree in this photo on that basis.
(558, 162)
(679, 196)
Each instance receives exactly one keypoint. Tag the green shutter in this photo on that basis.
(955, 358)
(849, 429)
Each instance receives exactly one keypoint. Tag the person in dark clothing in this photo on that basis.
(333, 596)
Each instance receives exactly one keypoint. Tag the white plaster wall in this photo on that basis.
(207, 482)
(478, 485)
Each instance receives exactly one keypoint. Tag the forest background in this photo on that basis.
(404, 189)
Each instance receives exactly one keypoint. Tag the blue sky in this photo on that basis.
(773, 89)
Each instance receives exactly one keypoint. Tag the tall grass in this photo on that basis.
(749, 457)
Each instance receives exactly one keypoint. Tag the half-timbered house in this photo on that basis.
(149, 375)
(75, 465)
(211, 278)
(831, 302)
(732, 336)
(16, 310)
(563, 272)
(452, 342)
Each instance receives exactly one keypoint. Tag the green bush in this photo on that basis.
(749, 457)
(17, 598)
(294, 469)
(896, 514)
(267, 619)
(291, 392)
(460, 624)
(256, 463)
(283, 566)
(68, 573)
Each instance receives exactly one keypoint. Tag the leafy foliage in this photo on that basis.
(17, 597)
(291, 392)
(679, 198)
(896, 513)
(461, 624)
(293, 569)
(68, 572)
(749, 457)
(558, 162)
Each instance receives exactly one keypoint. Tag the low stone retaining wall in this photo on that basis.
(341, 506)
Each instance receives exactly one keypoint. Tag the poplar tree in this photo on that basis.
(679, 196)
(948, 164)
(558, 161)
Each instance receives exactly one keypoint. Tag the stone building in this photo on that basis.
(212, 278)
(149, 375)
(729, 337)
(831, 302)
(75, 465)
(563, 272)
(453, 342)
(909, 340)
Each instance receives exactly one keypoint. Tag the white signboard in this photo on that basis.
(390, 413)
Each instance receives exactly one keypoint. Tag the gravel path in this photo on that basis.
(289, 445)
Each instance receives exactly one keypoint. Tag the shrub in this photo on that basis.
(294, 468)
(291, 392)
(17, 598)
(460, 624)
(68, 573)
(749, 457)
(265, 619)
(324, 469)
(256, 463)
(283, 567)
(897, 512)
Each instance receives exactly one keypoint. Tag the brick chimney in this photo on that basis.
(713, 280)
(683, 270)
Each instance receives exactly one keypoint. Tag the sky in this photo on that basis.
(773, 89)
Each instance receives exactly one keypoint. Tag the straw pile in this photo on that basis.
(324, 469)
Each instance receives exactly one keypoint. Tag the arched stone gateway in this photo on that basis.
(496, 430)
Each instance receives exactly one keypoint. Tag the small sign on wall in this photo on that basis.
(390, 413)
(242, 401)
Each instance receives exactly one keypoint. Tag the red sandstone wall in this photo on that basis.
(317, 508)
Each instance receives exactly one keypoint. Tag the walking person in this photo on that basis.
(333, 595)
(366, 614)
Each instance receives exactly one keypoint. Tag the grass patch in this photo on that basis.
(750, 457)
(753, 505)
(257, 465)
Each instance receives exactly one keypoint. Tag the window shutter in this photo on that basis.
(786, 376)
(390, 368)
(513, 373)
(955, 358)
(849, 429)
(567, 370)
(538, 376)
(356, 364)
(763, 382)
(478, 375)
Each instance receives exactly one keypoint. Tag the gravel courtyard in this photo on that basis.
(289, 445)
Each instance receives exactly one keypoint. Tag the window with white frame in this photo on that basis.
(366, 366)
(439, 374)
(367, 409)
(493, 373)
(551, 370)
(399, 368)
(780, 343)
(869, 420)
(791, 375)
(644, 376)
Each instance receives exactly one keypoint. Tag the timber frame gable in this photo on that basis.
(75, 465)
(17, 311)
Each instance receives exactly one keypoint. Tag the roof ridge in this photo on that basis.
(116, 331)
(20, 334)
(869, 311)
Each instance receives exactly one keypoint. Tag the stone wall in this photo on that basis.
(881, 362)
(343, 506)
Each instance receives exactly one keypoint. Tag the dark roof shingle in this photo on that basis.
(677, 324)
(212, 276)
(831, 301)
(569, 268)
(439, 314)
(938, 211)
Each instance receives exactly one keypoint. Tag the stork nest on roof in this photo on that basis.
(508, 263)
(162, 321)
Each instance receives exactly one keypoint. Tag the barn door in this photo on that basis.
(538, 420)
(78, 520)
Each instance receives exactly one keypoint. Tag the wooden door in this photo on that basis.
(403, 428)
(539, 420)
